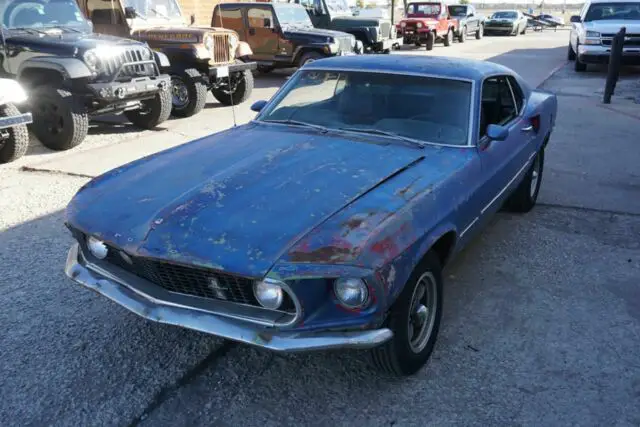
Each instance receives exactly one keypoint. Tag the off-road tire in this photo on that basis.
(395, 357)
(417, 43)
(431, 39)
(578, 65)
(152, 112)
(196, 90)
(73, 115)
(264, 69)
(17, 143)
(448, 39)
(522, 200)
(571, 54)
(241, 94)
(309, 56)
(463, 35)
(480, 32)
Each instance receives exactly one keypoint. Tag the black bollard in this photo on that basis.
(615, 60)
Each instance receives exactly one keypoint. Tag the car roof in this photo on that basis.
(439, 66)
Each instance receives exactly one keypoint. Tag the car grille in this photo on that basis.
(130, 56)
(220, 53)
(630, 39)
(192, 281)
(502, 24)
(385, 30)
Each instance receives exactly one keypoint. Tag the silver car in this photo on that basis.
(511, 22)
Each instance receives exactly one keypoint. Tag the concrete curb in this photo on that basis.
(551, 73)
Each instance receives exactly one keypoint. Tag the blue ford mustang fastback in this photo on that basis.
(326, 221)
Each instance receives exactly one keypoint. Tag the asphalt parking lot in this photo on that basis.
(542, 312)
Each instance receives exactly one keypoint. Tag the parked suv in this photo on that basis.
(593, 29)
(202, 59)
(427, 23)
(377, 34)
(72, 74)
(281, 35)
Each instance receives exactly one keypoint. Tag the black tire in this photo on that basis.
(60, 120)
(524, 31)
(152, 112)
(431, 39)
(571, 54)
(310, 56)
(264, 69)
(396, 356)
(242, 91)
(524, 198)
(417, 43)
(448, 40)
(17, 141)
(463, 35)
(193, 88)
(578, 65)
(480, 32)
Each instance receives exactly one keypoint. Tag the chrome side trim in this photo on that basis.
(469, 226)
(526, 164)
(224, 327)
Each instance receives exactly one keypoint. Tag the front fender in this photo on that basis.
(161, 59)
(243, 50)
(69, 68)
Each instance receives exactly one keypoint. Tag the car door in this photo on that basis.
(472, 19)
(230, 17)
(502, 161)
(261, 32)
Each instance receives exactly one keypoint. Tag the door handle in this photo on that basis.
(252, 31)
(527, 129)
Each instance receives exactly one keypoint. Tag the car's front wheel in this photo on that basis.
(571, 54)
(152, 112)
(448, 39)
(578, 65)
(15, 140)
(431, 39)
(524, 198)
(189, 93)
(480, 32)
(414, 320)
(236, 89)
(463, 35)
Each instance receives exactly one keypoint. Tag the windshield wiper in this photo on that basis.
(28, 30)
(412, 142)
(298, 123)
(160, 14)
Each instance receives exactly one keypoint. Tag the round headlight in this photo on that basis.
(403, 24)
(97, 247)
(268, 294)
(352, 293)
(208, 42)
(419, 25)
(91, 59)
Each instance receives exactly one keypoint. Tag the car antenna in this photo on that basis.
(233, 107)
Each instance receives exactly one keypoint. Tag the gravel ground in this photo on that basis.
(541, 323)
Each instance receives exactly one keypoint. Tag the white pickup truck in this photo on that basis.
(592, 32)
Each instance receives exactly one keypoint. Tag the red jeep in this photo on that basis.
(427, 23)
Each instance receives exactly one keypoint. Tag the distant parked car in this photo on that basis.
(426, 23)
(469, 22)
(593, 29)
(327, 220)
(552, 19)
(511, 22)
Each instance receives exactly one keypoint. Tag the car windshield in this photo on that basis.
(34, 14)
(504, 15)
(424, 9)
(610, 11)
(163, 9)
(292, 14)
(422, 109)
(338, 6)
(458, 10)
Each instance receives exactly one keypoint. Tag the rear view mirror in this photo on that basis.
(267, 23)
(575, 18)
(471, 15)
(130, 12)
(497, 132)
(192, 19)
(258, 105)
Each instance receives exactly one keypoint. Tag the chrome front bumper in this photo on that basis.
(599, 54)
(160, 311)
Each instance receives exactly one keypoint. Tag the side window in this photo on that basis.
(518, 93)
(498, 106)
(104, 13)
(228, 18)
(260, 18)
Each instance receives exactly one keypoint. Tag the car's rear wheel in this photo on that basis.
(152, 112)
(15, 140)
(60, 120)
(414, 320)
(463, 35)
(189, 93)
(571, 54)
(431, 39)
(448, 39)
(524, 198)
(480, 32)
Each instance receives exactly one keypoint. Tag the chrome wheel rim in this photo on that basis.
(179, 92)
(422, 312)
(535, 177)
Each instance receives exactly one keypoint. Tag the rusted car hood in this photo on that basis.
(236, 200)
(176, 34)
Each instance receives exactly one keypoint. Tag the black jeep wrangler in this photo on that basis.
(72, 74)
